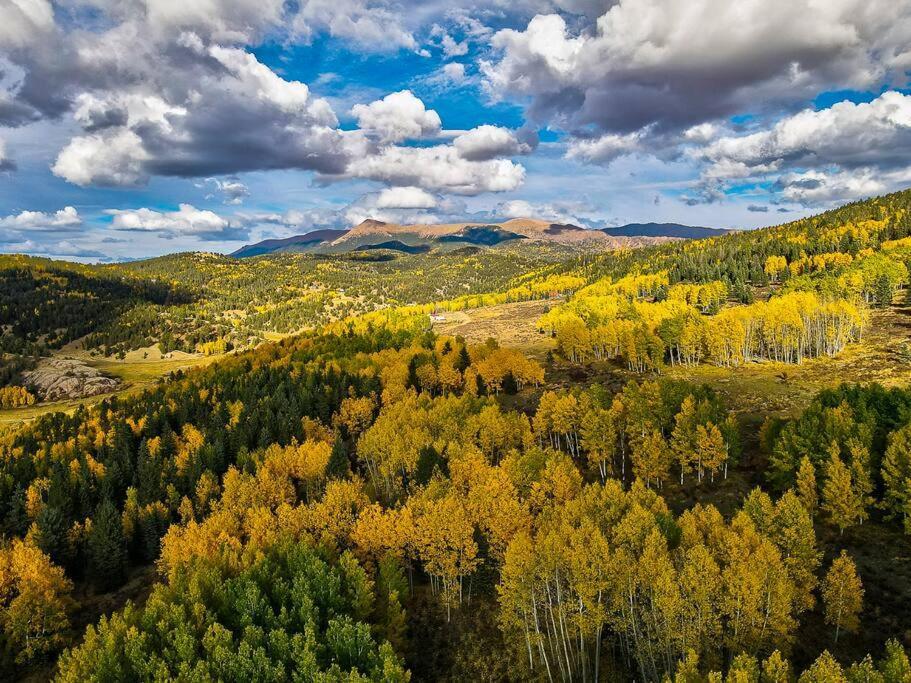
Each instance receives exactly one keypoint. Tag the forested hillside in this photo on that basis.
(373, 499)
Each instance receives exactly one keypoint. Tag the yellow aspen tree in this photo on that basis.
(806, 485)
(793, 534)
(445, 543)
(839, 500)
(842, 595)
(824, 670)
(355, 414)
(776, 669)
(711, 447)
(34, 601)
(651, 458)
(683, 439)
(599, 433)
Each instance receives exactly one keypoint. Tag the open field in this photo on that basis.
(135, 372)
(761, 388)
(512, 325)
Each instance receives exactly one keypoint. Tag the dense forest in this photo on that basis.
(373, 499)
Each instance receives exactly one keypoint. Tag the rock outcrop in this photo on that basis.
(55, 379)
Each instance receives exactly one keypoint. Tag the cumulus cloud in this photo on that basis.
(398, 116)
(440, 168)
(61, 249)
(187, 220)
(571, 212)
(489, 142)
(812, 188)
(372, 26)
(604, 149)
(232, 21)
(65, 219)
(847, 134)
(453, 48)
(454, 71)
(115, 158)
(844, 152)
(675, 65)
(23, 21)
(232, 190)
(405, 198)
(235, 115)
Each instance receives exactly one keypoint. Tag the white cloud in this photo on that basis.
(231, 21)
(489, 142)
(604, 149)
(813, 188)
(440, 169)
(110, 158)
(405, 198)
(398, 116)
(187, 220)
(453, 48)
(454, 71)
(847, 151)
(66, 218)
(572, 212)
(22, 21)
(232, 190)
(238, 116)
(373, 26)
(848, 134)
(678, 64)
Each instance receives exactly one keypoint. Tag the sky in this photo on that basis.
(133, 128)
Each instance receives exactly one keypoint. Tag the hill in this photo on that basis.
(643, 433)
(687, 232)
(487, 233)
(294, 243)
(373, 232)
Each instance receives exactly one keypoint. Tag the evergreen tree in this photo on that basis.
(338, 466)
(106, 546)
(51, 538)
(896, 474)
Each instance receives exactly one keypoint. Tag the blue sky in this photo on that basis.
(131, 129)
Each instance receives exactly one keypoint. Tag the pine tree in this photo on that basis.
(107, 547)
(338, 466)
(896, 473)
(51, 534)
(842, 595)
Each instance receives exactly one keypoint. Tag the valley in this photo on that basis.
(455, 435)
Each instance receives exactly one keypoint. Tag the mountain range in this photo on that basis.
(374, 234)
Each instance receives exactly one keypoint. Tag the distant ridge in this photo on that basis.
(425, 236)
(687, 232)
(294, 243)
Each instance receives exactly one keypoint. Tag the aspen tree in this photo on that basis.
(806, 485)
(839, 499)
(842, 595)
